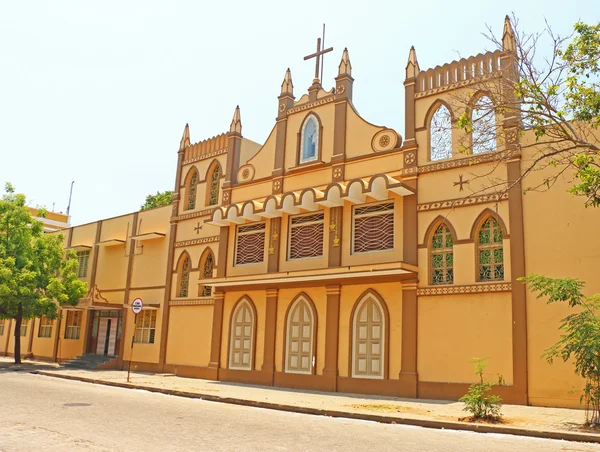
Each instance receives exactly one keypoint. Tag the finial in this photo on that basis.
(345, 66)
(236, 122)
(185, 139)
(287, 87)
(412, 67)
(509, 43)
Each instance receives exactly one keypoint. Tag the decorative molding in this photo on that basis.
(338, 173)
(384, 140)
(310, 105)
(459, 163)
(461, 202)
(187, 216)
(245, 173)
(456, 85)
(194, 302)
(205, 156)
(457, 290)
(214, 238)
(409, 158)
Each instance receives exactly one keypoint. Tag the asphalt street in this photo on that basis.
(43, 413)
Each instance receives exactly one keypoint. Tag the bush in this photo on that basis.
(479, 401)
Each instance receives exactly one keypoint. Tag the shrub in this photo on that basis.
(479, 401)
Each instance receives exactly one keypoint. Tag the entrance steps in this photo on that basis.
(89, 362)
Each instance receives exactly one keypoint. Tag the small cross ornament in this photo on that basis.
(198, 228)
(461, 182)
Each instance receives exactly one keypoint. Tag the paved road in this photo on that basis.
(43, 413)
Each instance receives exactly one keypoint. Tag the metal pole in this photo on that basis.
(70, 196)
(131, 351)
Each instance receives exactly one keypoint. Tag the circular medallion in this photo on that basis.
(246, 173)
(409, 158)
(384, 140)
(341, 89)
(281, 108)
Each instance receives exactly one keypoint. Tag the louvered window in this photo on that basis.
(45, 327)
(83, 258)
(306, 236)
(373, 228)
(73, 325)
(23, 331)
(250, 247)
(145, 327)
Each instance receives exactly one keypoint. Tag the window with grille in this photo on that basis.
(23, 331)
(145, 327)
(442, 256)
(306, 236)
(250, 246)
(440, 134)
(207, 272)
(184, 277)
(83, 258)
(2, 323)
(73, 324)
(192, 188)
(214, 185)
(490, 251)
(45, 327)
(484, 126)
(373, 228)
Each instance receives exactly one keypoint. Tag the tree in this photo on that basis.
(580, 339)
(35, 276)
(557, 98)
(160, 199)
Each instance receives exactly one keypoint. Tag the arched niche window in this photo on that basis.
(442, 256)
(213, 184)
(300, 327)
(483, 117)
(368, 333)
(191, 186)
(183, 275)
(490, 251)
(440, 134)
(207, 265)
(241, 343)
(309, 144)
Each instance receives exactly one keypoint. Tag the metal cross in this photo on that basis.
(197, 228)
(318, 55)
(461, 182)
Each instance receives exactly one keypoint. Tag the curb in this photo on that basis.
(442, 425)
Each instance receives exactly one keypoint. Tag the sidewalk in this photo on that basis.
(556, 423)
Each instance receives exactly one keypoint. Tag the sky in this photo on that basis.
(99, 92)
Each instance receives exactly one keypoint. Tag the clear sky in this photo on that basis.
(99, 92)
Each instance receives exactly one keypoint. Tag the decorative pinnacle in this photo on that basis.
(509, 43)
(236, 122)
(345, 66)
(412, 67)
(185, 139)
(287, 87)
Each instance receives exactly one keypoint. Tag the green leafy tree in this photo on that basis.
(480, 401)
(580, 334)
(160, 199)
(551, 90)
(35, 276)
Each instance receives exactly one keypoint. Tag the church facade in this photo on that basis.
(339, 255)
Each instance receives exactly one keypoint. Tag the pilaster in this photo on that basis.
(332, 327)
(409, 377)
(274, 245)
(217, 328)
(270, 333)
(335, 228)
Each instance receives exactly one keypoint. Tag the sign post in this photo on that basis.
(136, 307)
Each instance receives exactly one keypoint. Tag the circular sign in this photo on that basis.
(137, 305)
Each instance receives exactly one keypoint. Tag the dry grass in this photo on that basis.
(389, 408)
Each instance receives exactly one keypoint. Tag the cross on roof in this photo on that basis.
(318, 55)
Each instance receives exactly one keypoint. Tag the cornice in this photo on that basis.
(204, 157)
(194, 302)
(465, 289)
(461, 202)
(200, 241)
(187, 216)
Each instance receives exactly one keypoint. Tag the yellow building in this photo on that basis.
(339, 255)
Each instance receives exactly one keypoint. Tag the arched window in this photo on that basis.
(213, 184)
(184, 275)
(484, 126)
(242, 336)
(368, 332)
(207, 265)
(300, 337)
(490, 251)
(440, 134)
(309, 145)
(442, 256)
(191, 185)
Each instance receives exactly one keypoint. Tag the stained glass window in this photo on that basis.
(191, 196)
(213, 198)
(207, 272)
(490, 251)
(442, 256)
(484, 126)
(310, 140)
(184, 277)
(440, 134)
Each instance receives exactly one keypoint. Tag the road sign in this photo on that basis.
(137, 305)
